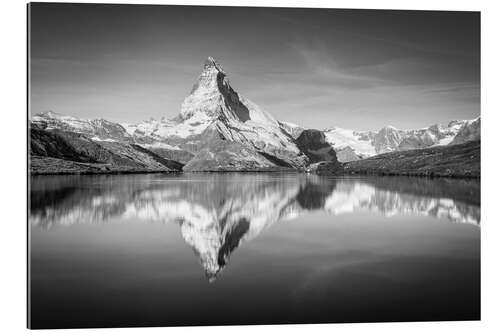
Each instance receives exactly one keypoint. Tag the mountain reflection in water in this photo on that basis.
(216, 212)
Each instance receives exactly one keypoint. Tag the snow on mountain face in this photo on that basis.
(291, 129)
(360, 142)
(470, 131)
(149, 131)
(389, 138)
(96, 129)
(205, 99)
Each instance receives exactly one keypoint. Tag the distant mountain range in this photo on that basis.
(219, 130)
(388, 139)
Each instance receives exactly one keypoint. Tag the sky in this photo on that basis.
(319, 68)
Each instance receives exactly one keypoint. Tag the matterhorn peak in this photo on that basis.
(206, 96)
(213, 107)
(212, 64)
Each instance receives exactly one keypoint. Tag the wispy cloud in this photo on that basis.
(320, 62)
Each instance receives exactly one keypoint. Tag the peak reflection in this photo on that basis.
(218, 212)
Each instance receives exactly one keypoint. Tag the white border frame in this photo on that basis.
(14, 170)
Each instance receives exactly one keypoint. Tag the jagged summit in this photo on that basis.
(212, 73)
(212, 63)
(212, 97)
(205, 96)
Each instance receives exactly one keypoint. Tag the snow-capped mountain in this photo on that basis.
(470, 131)
(95, 129)
(387, 139)
(214, 112)
(360, 142)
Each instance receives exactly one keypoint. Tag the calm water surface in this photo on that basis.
(205, 249)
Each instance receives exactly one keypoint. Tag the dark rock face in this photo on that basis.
(313, 144)
(174, 165)
(231, 99)
(231, 242)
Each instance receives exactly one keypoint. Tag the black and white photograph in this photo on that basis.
(216, 165)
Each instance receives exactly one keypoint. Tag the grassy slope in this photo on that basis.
(462, 160)
(42, 165)
(57, 152)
